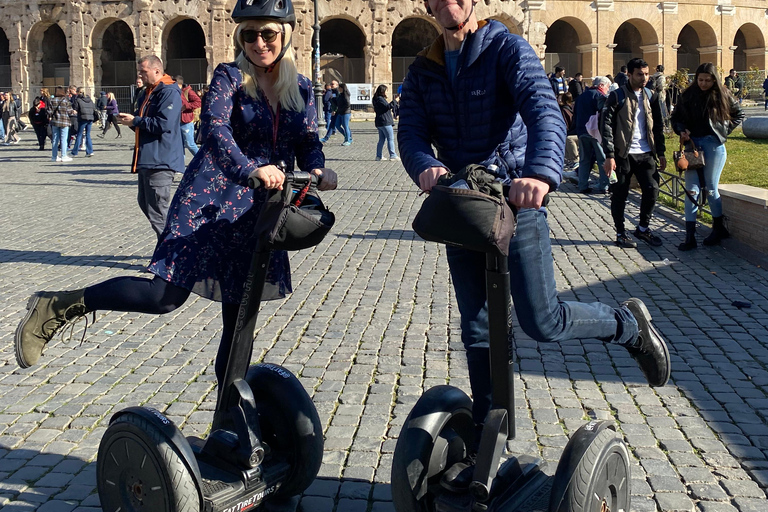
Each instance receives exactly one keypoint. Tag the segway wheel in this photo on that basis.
(290, 425)
(601, 481)
(436, 435)
(137, 470)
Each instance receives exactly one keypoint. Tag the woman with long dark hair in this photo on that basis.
(384, 123)
(344, 113)
(706, 114)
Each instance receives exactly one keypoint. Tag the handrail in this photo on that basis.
(672, 185)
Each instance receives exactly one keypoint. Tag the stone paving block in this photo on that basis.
(674, 502)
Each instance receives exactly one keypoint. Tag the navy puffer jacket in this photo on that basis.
(499, 109)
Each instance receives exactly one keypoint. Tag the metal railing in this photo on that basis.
(672, 185)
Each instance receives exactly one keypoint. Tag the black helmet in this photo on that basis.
(278, 10)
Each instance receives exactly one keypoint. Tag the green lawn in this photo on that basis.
(747, 159)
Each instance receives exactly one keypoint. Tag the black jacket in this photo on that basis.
(682, 115)
(617, 122)
(342, 103)
(84, 107)
(383, 111)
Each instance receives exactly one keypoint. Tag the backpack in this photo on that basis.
(621, 96)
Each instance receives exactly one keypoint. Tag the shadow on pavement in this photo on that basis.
(56, 258)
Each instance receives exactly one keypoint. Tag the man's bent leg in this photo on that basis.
(542, 315)
(468, 276)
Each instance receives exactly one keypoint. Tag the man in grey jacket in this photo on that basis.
(632, 128)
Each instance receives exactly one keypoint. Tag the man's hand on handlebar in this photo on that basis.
(527, 192)
(327, 179)
(270, 176)
(429, 177)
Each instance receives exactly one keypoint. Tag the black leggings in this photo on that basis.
(156, 296)
(111, 120)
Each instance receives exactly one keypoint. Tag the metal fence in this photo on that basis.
(672, 185)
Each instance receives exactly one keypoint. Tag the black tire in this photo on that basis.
(137, 470)
(441, 418)
(603, 475)
(289, 423)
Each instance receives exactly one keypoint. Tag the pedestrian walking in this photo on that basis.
(86, 113)
(706, 114)
(343, 113)
(571, 140)
(207, 246)
(632, 128)
(101, 106)
(587, 109)
(9, 116)
(765, 92)
(73, 120)
(137, 92)
(38, 116)
(60, 112)
(333, 109)
(517, 126)
(190, 101)
(113, 111)
(384, 123)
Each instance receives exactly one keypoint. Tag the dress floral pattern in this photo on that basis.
(209, 237)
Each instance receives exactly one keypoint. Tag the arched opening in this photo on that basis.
(185, 53)
(409, 37)
(750, 48)
(5, 62)
(118, 57)
(55, 58)
(564, 37)
(342, 56)
(635, 39)
(697, 43)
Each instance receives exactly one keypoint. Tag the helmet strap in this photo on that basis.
(464, 23)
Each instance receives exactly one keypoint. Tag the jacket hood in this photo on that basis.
(475, 43)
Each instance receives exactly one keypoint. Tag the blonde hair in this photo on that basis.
(287, 85)
(110, 96)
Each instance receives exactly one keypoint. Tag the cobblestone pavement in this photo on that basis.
(373, 323)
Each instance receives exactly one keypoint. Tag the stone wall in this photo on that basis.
(84, 23)
(747, 211)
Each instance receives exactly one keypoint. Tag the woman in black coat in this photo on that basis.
(38, 116)
(384, 123)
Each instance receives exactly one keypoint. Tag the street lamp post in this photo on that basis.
(316, 84)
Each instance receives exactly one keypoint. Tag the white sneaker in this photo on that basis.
(66, 159)
(58, 158)
(395, 158)
(379, 159)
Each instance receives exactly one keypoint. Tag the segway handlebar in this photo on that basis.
(294, 178)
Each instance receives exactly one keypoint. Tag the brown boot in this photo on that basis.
(47, 313)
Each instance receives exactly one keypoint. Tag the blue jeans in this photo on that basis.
(328, 115)
(188, 137)
(59, 137)
(2, 130)
(388, 134)
(330, 125)
(541, 314)
(714, 161)
(84, 128)
(342, 124)
(590, 151)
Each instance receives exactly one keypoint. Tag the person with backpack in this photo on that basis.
(86, 111)
(632, 128)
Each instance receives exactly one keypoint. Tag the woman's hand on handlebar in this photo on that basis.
(270, 176)
(527, 192)
(327, 178)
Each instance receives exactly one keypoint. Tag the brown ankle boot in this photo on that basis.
(47, 313)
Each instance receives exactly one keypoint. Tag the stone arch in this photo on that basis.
(114, 53)
(696, 43)
(568, 44)
(48, 55)
(5, 61)
(409, 37)
(184, 51)
(508, 21)
(342, 48)
(635, 38)
(750, 48)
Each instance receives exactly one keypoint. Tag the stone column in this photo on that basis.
(588, 57)
(147, 43)
(80, 59)
(604, 37)
(381, 47)
(668, 37)
(724, 59)
(220, 47)
(606, 62)
(653, 54)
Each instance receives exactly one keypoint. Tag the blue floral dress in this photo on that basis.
(209, 239)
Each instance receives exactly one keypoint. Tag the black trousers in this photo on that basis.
(643, 167)
(41, 130)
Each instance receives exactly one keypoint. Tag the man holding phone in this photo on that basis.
(159, 151)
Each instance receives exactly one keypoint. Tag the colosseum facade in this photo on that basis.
(95, 43)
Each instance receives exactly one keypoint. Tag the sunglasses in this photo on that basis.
(268, 36)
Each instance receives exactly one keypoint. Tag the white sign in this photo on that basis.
(360, 94)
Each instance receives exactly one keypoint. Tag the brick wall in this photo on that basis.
(747, 211)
